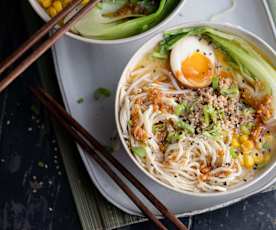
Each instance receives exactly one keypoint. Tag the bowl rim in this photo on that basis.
(128, 66)
(41, 12)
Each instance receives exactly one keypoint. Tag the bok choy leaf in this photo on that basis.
(102, 22)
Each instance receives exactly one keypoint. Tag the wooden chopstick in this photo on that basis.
(88, 149)
(51, 103)
(55, 108)
(43, 47)
(38, 35)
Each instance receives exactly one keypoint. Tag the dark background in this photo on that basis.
(34, 190)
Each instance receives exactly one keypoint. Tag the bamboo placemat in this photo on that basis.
(95, 212)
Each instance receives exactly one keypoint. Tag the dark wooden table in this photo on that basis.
(34, 191)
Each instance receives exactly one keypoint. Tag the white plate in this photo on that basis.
(82, 68)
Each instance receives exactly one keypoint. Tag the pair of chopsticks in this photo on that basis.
(44, 46)
(80, 135)
(98, 152)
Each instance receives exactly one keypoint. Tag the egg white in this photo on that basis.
(185, 48)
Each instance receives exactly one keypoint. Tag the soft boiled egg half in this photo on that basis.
(193, 61)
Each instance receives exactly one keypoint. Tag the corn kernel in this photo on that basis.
(235, 143)
(267, 158)
(45, 3)
(57, 5)
(247, 146)
(258, 158)
(248, 161)
(84, 2)
(65, 2)
(243, 138)
(52, 11)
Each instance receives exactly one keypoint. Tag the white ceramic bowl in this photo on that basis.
(232, 29)
(41, 12)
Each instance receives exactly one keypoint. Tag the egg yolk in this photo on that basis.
(197, 68)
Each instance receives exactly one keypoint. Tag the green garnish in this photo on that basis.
(80, 100)
(221, 113)
(246, 128)
(139, 151)
(129, 122)
(209, 114)
(233, 153)
(266, 146)
(101, 92)
(183, 125)
(214, 133)
(181, 108)
(248, 111)
(215, 82)
(233, 91)
(157, 127)
(174, 137)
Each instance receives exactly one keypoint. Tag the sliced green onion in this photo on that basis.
(266, 146)
(101, 92)
(80, 100)
(245, 130)
(183, 125)
(209, 114)
(157, 127)
(214, 133)
(181, 108)
(215, 82)
(233, 153)
(230, 92)
(248, 111)
(174, 137)
(139, 151)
